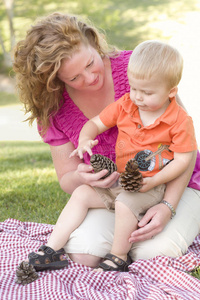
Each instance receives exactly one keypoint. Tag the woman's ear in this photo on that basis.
(173, 92)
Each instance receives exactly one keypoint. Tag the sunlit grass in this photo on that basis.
(29, 189)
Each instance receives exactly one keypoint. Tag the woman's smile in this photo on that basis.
(89, 73)
(95, 81)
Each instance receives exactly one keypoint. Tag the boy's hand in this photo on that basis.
(84, 147)
(147, 184)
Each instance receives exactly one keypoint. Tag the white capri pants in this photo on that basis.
(95, 235)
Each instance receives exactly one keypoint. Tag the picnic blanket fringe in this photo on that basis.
(158, 278)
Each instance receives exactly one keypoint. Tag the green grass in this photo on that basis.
(29, 189)
(7, 99)
(196, 273)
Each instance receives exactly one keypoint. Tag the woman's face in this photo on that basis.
(84, 71)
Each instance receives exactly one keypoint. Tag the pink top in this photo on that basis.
(67, 123)
(69, 120)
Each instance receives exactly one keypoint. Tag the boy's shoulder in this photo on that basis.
(176, 110)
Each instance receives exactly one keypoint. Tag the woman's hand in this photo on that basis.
(152, 223)
(72, 172)
(94, 179)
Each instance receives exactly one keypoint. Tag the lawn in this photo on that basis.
(29, 189)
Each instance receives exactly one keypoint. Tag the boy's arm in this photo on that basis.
(159, 215)
(171, 171)
(87, 141)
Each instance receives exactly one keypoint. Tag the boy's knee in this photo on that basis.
(81, 195)
(82, 190)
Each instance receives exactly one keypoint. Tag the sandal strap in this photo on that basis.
(49, 250)
(121, 265)
(48, 253)
(115, 259)
(46, 249)
(106, 267)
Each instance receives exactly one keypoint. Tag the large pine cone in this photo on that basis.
(100, 162)
(25, 273)
(131, 178)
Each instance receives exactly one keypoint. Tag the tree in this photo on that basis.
(9, 5)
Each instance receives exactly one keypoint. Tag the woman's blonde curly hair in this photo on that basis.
(38, 58)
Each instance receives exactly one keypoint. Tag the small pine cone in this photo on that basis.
(131, 178)
(100, 162)
(25, 273)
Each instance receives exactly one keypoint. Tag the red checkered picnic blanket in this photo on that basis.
(158, 278)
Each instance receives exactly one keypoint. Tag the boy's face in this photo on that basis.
(149, 94)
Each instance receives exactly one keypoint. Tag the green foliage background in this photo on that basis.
(126, 22)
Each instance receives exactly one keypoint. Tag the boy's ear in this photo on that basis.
(173, 92)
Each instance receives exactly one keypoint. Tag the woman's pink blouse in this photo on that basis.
(67, 123)
(69, 120)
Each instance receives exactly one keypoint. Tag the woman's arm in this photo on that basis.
(72, 172)
(158, 216)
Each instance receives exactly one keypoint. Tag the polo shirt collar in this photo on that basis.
(169, 116)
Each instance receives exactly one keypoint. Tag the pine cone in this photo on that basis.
(131, 178)
(100, 162)
(25, 273)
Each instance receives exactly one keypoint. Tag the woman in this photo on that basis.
(66, 74)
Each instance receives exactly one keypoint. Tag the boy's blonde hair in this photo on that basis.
(154, 58)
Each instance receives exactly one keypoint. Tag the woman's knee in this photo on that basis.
(157, 247)
(178, 234)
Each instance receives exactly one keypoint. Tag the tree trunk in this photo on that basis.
(2, 45)
(9, 4)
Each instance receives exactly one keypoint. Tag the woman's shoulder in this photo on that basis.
(119, 65)
(66, 123)
(122, 57)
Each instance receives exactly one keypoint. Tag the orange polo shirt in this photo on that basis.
(174, 128)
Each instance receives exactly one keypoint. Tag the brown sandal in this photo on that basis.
(121, 265)
(51, 260)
